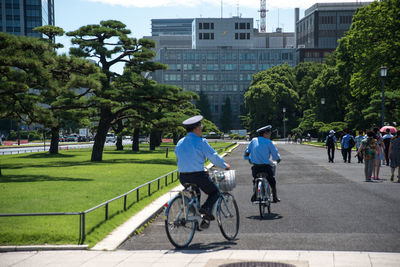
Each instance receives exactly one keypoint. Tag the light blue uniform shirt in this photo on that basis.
(192, 151)
(346, 141)
(260, 150)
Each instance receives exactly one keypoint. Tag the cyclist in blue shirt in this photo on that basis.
(259, 152)
(191, 152)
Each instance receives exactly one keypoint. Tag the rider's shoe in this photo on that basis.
(206, 214)
(276, 200)
(253, 198)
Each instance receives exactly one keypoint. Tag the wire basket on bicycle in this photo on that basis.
(226, 180)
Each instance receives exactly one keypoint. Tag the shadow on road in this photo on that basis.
(215, 246)
(268, 217)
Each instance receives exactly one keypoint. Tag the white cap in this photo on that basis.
(331, 131)
(192, 120)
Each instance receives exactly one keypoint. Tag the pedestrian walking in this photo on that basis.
(380, 156)
(347, 144)
(330, 144)
(358, 140)
(386, 141)
(394, 154)
(369, 149)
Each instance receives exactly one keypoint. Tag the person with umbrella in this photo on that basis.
(394, 154)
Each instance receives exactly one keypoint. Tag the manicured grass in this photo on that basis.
(70, 182)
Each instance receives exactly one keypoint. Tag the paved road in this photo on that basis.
(324, 206)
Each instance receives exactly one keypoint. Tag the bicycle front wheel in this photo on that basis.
(179, 230)
(228, 216)
(262, 199)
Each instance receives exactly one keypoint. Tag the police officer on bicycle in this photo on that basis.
(258, 153)
(191, 152)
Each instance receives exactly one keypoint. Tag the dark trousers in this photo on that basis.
(264, 168)
(360, 157)
(204, 182)
(387, 155)
(331, 153)
(346, 154)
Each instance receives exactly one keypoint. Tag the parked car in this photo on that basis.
(61, 138)
(82, 138)
(110, 138)
(72, 138)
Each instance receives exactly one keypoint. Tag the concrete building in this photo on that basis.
(20, 17)
(160, 27)
(221, 59)
(323, 24)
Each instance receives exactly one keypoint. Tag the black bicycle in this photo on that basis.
(182, 216)
(263, 194)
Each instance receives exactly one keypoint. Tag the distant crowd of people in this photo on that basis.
(372, 148)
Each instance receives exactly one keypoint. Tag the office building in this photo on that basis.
(20, 17)
(323, 24)
(160, 27)
(221, 60)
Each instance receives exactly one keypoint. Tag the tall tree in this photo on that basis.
(371, 42)
(109, 43)
(226, 116)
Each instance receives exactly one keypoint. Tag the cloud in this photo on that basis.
(271, 4)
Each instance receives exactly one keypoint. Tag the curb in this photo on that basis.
(126, 230)
(42, 247)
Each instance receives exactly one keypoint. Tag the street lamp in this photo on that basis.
(383, 73)
(284, 124)
(322, 112)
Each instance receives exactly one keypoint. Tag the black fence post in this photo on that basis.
(149, 189)
(158, 185)
(125, 201)
(107, 211)
(83, 227)
(166, 153)
(166, 180)
(137, 195)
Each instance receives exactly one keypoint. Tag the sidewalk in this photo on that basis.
(193, 258)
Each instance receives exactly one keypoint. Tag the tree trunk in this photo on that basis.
(153, 140)
(119, 136)
(135, 141)
(119, 143)
(175, 138)
(55, 138)
(100, 138)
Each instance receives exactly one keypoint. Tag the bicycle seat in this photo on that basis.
(261, 175)
(189, 186)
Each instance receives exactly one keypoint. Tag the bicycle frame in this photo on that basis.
(261, 182)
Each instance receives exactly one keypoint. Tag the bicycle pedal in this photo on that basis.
(204, 224)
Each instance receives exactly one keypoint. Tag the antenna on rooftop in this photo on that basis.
(263, 14)
(237, 8)
(222, 5)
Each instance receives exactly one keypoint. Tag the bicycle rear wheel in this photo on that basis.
(262, 199)
(180, 232)
(228, 216)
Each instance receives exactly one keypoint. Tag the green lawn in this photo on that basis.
(70, 182)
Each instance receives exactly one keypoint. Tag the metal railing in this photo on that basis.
(82, 214)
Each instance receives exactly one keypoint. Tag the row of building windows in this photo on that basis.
(207, 77)
(230, 56)
(216, 67)
(216, 87)
(206, 25)
(242, 26)
(242, 36)
(206, 36)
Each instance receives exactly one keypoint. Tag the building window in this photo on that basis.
(242, 26)
(206, 36)
(248, 26)
(248, 36)
(236, 26)
(206, 26)
(212, 26)
(200, 36)
(236, 36)
(212, 36)
(200, 26)
(242, 36)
